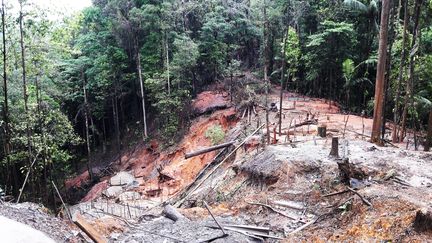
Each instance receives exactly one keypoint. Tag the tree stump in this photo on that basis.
(428, 144)
(335, 147)
(423, 221)
(322, 131)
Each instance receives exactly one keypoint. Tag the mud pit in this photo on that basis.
(255, 186)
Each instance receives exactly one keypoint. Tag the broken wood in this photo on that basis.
(249, 233)
(79, 220)
(289, 204)
(172, 213)
(189, 192)
(364, 200)
(335, 193)
(304, 226)
(61, 199)
(209, 149)
(217, 222)
(335, 147)
(250, 228)
(274, 210)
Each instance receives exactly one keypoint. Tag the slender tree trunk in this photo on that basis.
(282, 80)
(266, 64)
(395, 137)
(13, 175)
(86, 117)
(379, 85)
(42, 134)
(138, 60)
(26, 110)
(391, 38)
(167, 63)
(410, 83)
(428, 144)
(116, 124)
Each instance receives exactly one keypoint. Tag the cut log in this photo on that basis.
(322, 131)
(79, 220)
(207, 150)
(172, 213)
(423, 221)
(335, 147)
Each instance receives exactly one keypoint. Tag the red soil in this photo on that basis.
(163, 172)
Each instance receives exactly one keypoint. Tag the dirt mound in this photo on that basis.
(209, 101)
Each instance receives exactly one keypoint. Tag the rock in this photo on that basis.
(129, 196)
(121, 179)
(113, 191)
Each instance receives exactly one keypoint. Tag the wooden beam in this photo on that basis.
(85, 226)
(209, 149)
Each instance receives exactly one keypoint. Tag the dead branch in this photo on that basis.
(365, 201)
(304, 226)
(217, 222)
(335, 193)
(274, 210)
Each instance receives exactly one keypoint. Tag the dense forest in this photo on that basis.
(125, 71)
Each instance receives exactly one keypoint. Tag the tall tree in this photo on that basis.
(380, 76)
(396, 112)
(24, 84)
(409, 95)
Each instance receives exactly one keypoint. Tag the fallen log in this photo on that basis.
(209, 149)
(79, 220)
(172, 213)
(191, 190)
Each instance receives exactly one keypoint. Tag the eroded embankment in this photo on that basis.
(161, 172)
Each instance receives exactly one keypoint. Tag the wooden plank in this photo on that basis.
(85, 226)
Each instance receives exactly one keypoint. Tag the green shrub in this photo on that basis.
(216, 134)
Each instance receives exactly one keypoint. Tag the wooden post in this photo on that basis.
(335, 147)
(322, 131)
(428, 144)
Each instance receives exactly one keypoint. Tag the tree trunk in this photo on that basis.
(138, 60)
(396, 118)
(391, 38)
(282, 81)
(167, 63)
(26, 110)
(428, 143)
(379, 85)
(410, 83)
(86, 118)
(13, 175)
(116, 125)
(266, 63)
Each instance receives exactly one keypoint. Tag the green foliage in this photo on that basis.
(216, 134)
